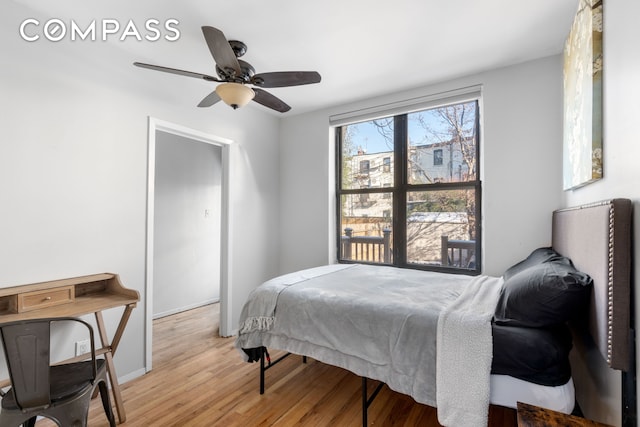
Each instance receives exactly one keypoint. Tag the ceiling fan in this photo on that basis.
(235, 74)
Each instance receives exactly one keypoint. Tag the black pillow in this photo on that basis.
(536, 257)
(537, 355)
(543, 294)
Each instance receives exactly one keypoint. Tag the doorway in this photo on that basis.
(187, 223)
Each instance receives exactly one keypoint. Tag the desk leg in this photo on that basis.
(123, 324)
(113, 378)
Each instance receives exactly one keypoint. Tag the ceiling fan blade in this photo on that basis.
(221, 49)
(285, 78)
(268, 100)
(176, 71)
(209, 100)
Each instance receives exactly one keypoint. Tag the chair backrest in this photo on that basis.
(26, 346)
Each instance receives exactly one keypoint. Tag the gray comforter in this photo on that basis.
(377, 322)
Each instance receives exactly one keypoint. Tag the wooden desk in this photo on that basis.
(75, 297)
(534, 416)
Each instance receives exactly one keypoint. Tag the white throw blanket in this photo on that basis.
(464, 354)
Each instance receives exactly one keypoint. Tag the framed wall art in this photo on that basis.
(582, 124)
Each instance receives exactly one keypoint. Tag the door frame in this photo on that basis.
(225, 144)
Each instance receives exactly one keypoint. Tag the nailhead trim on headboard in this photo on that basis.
(610, 284)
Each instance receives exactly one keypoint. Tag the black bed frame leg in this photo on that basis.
(366, 401)
(365, 422)
(264, 354)
(629, 393)
(262, 372)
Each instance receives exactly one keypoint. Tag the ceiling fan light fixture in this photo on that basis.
(235, 95)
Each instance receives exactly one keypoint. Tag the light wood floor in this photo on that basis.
(199, 379)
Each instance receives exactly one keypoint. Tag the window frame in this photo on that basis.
(364, 170)
(401, 187)
(439, 157)
(386, 164)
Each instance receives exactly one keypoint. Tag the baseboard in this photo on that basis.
(184, 308)
(233, 333)
(132, 376)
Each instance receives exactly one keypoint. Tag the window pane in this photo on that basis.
(365, 227)
(367, 154)
(442, 144)
(440, 226)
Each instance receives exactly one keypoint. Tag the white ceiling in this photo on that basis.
(360, 47)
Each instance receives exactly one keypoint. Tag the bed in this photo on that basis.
(460, 342)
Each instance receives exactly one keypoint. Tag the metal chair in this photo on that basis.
(60, 392)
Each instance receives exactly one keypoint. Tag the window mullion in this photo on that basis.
(400, 190)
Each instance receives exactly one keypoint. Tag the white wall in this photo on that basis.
(187, 224)
(73, 168)
(521, 166)
(621, 147)
(306, 189)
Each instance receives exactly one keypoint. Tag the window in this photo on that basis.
(387, 195)
(437, 157)
(386, 164)
(364, 167)
(423, 208)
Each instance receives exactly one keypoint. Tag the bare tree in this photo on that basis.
(384, 127)
(455, 125)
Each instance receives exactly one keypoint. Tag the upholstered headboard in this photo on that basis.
(597, 238)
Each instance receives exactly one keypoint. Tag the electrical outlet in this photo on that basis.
(82, 347)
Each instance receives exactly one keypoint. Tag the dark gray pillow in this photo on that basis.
(537, 355)
(544, 294)
(536, 257)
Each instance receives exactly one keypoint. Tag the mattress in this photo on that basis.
(508, 391)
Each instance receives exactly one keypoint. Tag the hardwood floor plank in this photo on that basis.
(198, 379)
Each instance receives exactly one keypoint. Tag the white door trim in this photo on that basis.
(225, 232)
